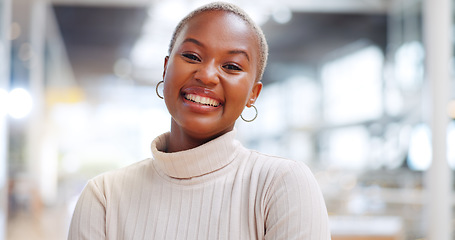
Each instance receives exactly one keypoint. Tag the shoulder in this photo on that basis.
(122, 176)
(280, 166)
(276, 173)
(293, 203)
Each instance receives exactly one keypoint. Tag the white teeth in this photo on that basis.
(202, 100)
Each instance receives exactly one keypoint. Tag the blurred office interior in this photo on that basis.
(360, 90)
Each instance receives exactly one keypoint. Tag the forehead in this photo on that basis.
(220, 28)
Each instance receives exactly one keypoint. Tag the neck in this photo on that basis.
(181, 140)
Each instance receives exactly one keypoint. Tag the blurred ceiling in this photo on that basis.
(98, 33)
(312, 38)
(95, 37)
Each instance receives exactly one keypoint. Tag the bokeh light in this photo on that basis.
(20, 103)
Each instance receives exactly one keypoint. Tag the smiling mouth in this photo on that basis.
(202, 100)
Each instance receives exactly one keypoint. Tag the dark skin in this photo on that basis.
(209, 78)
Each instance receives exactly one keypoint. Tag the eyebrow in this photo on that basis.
(236, 51)
(192, 40)
(240, 52)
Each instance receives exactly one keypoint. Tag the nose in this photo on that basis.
(207, 73)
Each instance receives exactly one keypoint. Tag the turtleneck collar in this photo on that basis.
(195, 162)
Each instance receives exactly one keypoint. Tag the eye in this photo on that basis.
(232, 67)
(191, 57)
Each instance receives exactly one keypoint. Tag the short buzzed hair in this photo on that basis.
(231, 8)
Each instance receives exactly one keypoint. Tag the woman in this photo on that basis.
(201, 183)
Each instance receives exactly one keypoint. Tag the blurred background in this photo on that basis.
(345, 91)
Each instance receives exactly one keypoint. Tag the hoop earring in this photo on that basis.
(156, 89)
(255, 116)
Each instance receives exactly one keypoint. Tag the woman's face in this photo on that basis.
(210, 75)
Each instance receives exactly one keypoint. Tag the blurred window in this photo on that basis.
(419, 156)
(409, 65)
(346, 148)
(353, 87)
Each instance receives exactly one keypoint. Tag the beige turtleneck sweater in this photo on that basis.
(219, 190)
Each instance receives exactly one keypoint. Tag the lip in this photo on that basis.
(203, 92)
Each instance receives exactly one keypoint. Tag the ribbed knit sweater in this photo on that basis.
(219, 190)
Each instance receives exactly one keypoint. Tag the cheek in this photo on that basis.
(172, 79)
(239, 91)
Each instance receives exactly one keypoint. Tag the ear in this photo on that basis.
(166, 60)
(257, 87)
